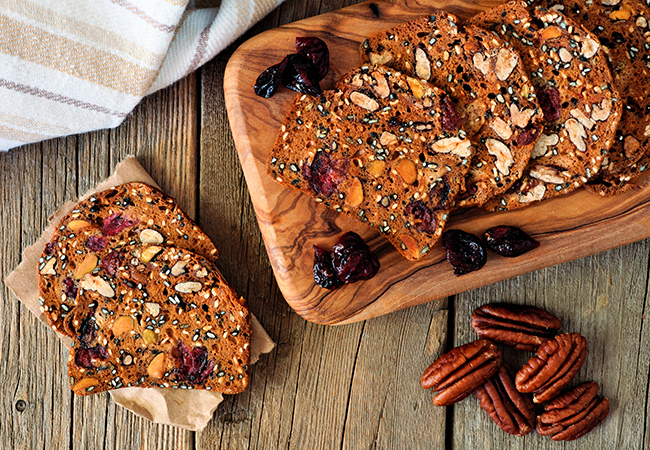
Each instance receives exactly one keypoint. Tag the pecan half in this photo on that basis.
(522, 327)
(458, 373)
(556, 363)
(511, 410)
(574, 413)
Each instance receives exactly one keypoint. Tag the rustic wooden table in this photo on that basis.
(350, 387)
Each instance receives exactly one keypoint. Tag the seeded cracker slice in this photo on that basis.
(383, 148)
(621, 27)
(486, 80)
(165, 319)
(574, 89)
(126, 214)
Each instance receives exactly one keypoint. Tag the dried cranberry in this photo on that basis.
(300, 71)
(352, 258)
(85, 357)
(301, 75)
(470, 191)
(49, 248)
(529, 135)
(316, 50)
(115, 223)
(269, 80)
(193, 364)
(111, 263)
(509, 241)
(549, 101)
(96, 243)
(465, 251)
(324, 274)
(421, 217)
(439, 195)
(87, 330)
(71, 288)
(450, 117)
(325, 175)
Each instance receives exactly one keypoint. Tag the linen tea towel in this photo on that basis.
(72, 66)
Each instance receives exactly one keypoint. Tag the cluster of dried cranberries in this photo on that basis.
(466, 253)
(301, 71)
(351, 260)
(478, 368)
(193, 364)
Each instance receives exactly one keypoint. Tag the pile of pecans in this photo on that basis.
(478, 367)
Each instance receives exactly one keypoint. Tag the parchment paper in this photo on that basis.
(189, 409)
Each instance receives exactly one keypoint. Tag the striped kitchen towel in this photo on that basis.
(71, 66)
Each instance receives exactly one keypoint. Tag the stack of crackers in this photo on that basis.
(522, 103)
(131, 279)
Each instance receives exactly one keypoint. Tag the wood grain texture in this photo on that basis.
(568, 227)
(31, 353)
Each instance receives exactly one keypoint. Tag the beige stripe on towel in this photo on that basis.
(35, 125)
(109, 40)
(79, 60)
(14, 134)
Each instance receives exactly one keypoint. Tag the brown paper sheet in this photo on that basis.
(189, 409)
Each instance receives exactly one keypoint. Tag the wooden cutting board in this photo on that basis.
(568, 227)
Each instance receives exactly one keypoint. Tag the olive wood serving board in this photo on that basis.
(568, 227)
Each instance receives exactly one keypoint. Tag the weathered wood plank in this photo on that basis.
(248, 420)
(226, 215)
(388, 409)
(31, 370)
(602, 297)
(162, 132)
